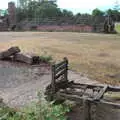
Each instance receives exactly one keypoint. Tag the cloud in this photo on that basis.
(4, 3)
(84, 4)
(75, 5)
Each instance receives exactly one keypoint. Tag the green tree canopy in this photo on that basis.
(3, 12)
(115, 14)
(97, 12)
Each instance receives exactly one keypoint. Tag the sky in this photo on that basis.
(82, 6)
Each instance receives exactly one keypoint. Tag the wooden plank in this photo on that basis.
(10, 52)
(75, 98)
(114, 89)
(65, 61)
(91, 86)
(53, 82)
(78, 86)
(66, 70)
(23, 58)
(115, 105)
(101, 93)
(78, 93)
(110, 88)
(60, 74)
(60, 68)
(86, 110)
(78, 99)
(60, 64)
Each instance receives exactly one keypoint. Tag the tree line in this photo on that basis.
(30, 10)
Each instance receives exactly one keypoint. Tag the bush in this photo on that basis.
(46, 59)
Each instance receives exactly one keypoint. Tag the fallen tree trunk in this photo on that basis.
(10, 52)
(23, 58)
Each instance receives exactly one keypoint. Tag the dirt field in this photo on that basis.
(97, 55)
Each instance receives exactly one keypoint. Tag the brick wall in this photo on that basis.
(12, 13)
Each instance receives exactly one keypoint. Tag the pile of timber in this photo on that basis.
(14, 54)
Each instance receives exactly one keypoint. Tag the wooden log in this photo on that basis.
(11, 51)
(23, 58)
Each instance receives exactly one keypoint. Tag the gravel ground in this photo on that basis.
(19, 84)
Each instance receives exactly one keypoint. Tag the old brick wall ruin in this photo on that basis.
(9, 20)
(12, 13)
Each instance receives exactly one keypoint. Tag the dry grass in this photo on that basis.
(97, 55)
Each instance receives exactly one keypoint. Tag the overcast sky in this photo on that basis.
(76, 5)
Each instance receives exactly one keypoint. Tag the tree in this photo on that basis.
(37, 9)
(23, 3)
(97, 12)
(115, 14)
(67, 13)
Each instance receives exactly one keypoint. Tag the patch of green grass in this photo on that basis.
(46, 59)
(41, 110)
(117, 28)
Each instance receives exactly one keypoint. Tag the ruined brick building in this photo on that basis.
(8, 20)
